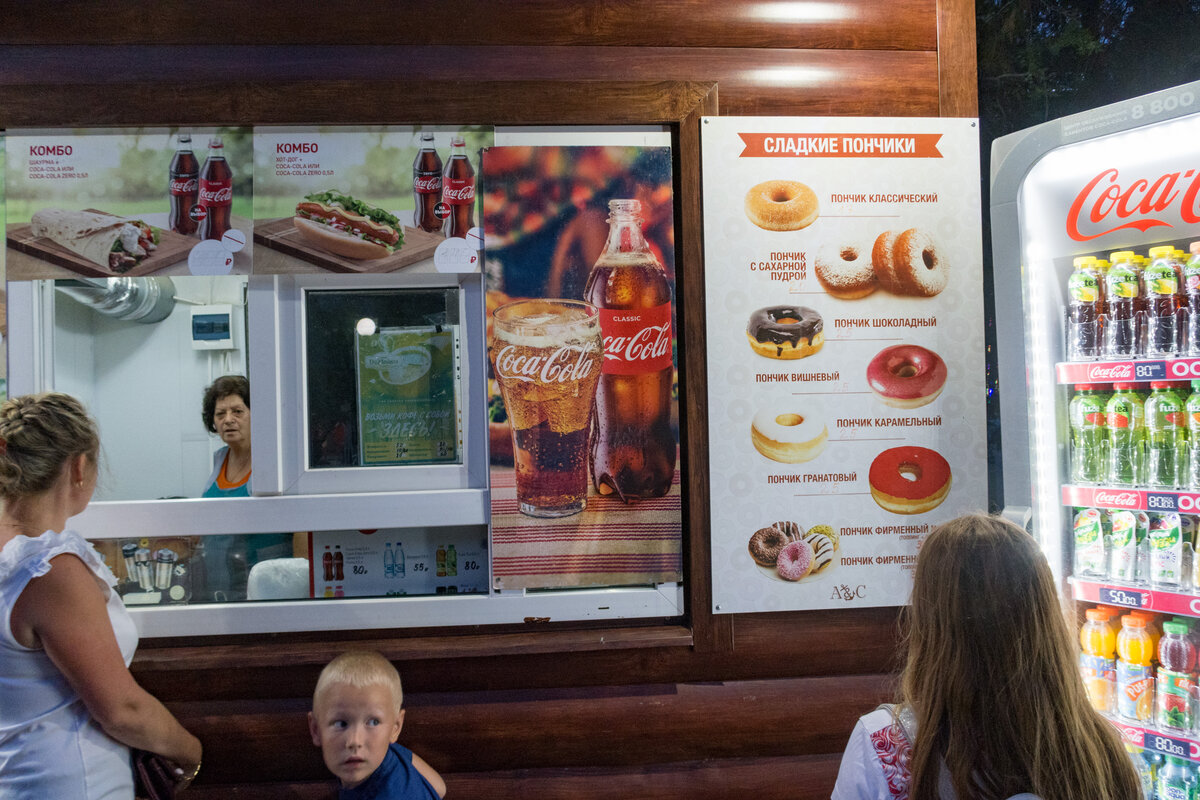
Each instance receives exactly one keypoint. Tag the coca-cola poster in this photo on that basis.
(112, 203)
(583, 416)
(367, 199)
(845, 344)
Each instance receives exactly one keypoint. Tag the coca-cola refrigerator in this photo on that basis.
(1097, 310)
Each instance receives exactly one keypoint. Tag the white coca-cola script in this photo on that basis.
(429, 184)
(458, 194)
(648, 343)
(185, 185)
(216, 194)
(554, 368)
(1117, 500)
(1105, 199)
(1111, 372)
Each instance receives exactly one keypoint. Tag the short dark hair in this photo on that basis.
(223, 387)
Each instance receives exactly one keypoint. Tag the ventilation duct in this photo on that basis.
(144, 300)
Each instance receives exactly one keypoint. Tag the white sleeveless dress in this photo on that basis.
(49, 745)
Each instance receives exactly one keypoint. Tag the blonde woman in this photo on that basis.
(69, 708)
(992, 705)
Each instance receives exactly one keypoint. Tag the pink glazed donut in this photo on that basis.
(795, 561)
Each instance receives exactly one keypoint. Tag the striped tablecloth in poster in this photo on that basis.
(607, 544)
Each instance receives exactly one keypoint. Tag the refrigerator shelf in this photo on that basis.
(1131, 499)
(1129, 371)
(1154, 741)
(1163, 601)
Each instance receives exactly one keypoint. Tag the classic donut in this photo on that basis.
(881, 262)
(906, 375)
(785, 332)
(909, 480)
(788, 436)
(919, 267)
(765, 545)
(823, 549)
(795, 561)
(846, 271)
(782, 205)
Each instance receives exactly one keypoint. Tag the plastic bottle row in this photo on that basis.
(1138, 548)
(1164, 777)
(1122, 435)
(1130, 306)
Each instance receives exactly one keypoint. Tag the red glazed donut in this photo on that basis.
(909, 480)
(906, 375)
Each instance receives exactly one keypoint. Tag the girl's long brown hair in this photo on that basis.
(992, 676)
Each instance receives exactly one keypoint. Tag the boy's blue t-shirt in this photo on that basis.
(395, 779)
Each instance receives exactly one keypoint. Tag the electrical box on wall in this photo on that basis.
(212, 327)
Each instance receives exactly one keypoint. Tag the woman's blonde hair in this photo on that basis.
(992, 675)
(360, 669)
(39, 433)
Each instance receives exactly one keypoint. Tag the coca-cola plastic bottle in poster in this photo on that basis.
(458, 190)
(216, 192)
(427, 185)
(183, 180)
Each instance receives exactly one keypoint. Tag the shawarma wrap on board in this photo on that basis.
(117, 243)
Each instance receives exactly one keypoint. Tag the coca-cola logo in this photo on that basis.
(429, 184)
(458, 193)
(1112, 372)
(185, 185)
(520, 364)
(649, 343)
(1105, 200)
(216, 194)
(1116, 499)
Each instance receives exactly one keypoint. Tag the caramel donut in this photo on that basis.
(782, 205)
(846, 272)
(795, 561)
(881, 261)
(765, 545)
(788, 437)
(906, 376)
(785, 332)
(920, 270)
(909, 480)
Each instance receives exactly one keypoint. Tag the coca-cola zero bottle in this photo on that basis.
(632, 450)
(184, 186)
(216, 192)
(458, 190)
(427, 185)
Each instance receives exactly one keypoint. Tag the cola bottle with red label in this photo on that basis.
(458, 190)
(216, 192)
(632, 451)
(427, 186)
(183, 184)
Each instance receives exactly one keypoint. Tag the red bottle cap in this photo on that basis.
(1162, 384)
(1122, 387)
(1085, 387)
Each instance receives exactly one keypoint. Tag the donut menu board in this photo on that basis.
(845, 353)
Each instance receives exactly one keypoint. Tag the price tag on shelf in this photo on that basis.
(1123, 597)
(1170, 746)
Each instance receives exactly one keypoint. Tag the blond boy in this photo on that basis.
(356, 718)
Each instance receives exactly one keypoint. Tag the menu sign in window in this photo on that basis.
(845, 353)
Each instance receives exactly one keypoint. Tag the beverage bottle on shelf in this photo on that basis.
(1166, 434)
(1192, 410)
(1084, 307)
(427, 185)
(458, 191)
(216, 192)
(1125, 429)
(1145, 770)
(1123, 547)
(1176, 684)
(1166, 551)
(1122, 284)
(1096, 663)
(1175, 780)
(1091, 558)
(1191, 282)
(1162, 285)
(183, 184)
(632, 446)
(1152, 627)
(1088, 443)
(1134, 674)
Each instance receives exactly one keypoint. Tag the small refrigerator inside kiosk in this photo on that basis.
(1096, 237)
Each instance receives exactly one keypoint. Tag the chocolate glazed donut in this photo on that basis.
(786, 331)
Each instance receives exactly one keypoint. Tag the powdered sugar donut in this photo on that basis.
(788, 436)
(918, 264)
(881, 261)
(846, 271)
(795, 561)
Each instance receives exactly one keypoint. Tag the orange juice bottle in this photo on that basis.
(1135, 676)
(1153, 627)
(1096, 664)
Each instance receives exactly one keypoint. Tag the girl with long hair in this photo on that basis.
(991, 702)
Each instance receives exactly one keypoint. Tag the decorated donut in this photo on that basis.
(765, 545)
(881, 261)
(909, 480)
(795, 561)
(785, 332)
(791, 530)
(782, 205)
(906, 375)
(919, 267)
(829, 533)
(788, 436)
(822, 551)
(846, 271)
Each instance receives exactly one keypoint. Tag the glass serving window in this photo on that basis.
(383, 370)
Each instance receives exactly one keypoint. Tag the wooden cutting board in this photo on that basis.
(172, 248)
(281, 235)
